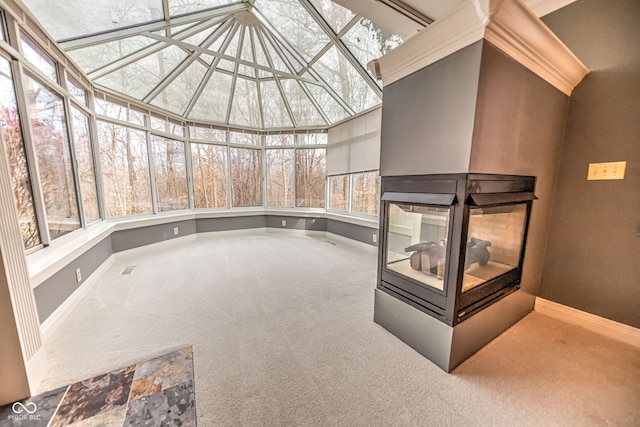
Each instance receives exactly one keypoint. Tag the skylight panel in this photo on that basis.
(304, 112)
(180, 7)
(198, 38)
(65, 19)
(347, 82)
(178, 94)
(332, 109)
(245, 109)
(213, 102)
(139, 78)
(368, 41)
(295, 24)
(274, 107)
(93, 57)
(335, 15)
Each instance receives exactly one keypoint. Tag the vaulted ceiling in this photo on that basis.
(263, 64)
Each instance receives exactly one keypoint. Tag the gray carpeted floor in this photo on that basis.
(282, 334)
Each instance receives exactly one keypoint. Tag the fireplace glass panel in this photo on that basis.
(494, 243)
(417, 242)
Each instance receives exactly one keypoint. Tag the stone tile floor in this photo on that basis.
(156, 392)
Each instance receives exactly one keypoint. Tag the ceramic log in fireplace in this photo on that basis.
(452, 244)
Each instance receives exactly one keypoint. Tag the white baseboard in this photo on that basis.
(53, 322)
(610, 328)
(361, 245)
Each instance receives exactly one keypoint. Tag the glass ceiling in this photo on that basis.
(263, 64)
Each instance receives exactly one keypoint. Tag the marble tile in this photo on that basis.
(86, 399)
(43, 407)
(174, 406)
(113, 417)
(161, 373)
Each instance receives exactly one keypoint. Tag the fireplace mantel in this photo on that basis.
(510, 25)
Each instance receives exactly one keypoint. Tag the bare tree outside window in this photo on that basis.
(365, 193)
(310, 177)
(339, 192)
(170, 173)
(280, 178)
(246, 177)
(84, 158)
(210, 179)
(125, 170)
(51, 143)
(14, 147)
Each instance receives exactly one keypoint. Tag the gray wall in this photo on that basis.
(352, 231)
(427, 117)
(519, 130)
(128, 239)
(51, 293)
(593, 254)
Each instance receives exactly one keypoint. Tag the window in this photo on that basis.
(51, 144)
(166, 126)
(280, 178)
(38, 58)
(244, 138)
(312, 139)
(339, 192)
(170, 173)
(119, 112)
(207, 134)
(246, 177)
(76, 91)
(17, 158)
(84, 158)
(286, 139)
(310, 177)
(125, 170)
(210, 178)
(365, 193)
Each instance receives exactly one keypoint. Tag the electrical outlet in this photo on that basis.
(609, 170)
(175, 231)
(78, 275)
(284, 222)
(375, 238)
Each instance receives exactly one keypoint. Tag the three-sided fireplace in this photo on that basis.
(451, 245)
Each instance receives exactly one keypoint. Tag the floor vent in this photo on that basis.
(127, 270)
(330, 242)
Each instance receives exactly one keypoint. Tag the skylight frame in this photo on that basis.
(318, 100)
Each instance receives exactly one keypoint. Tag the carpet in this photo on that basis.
(156, 392)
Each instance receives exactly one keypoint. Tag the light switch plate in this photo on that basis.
(608, 170)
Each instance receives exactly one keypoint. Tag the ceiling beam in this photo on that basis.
(187, 61)
(211, 70)
(339, 44)
(133, 30)
(272, 34)
(148, 50)
(229, 58)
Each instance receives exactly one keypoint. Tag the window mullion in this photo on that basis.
(74, 160)
(34, 172)
(189, 166)
(97, 164)
(150, 158)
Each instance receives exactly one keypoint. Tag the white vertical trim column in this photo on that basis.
(15, 280)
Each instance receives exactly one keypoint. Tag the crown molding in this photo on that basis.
(507, 24)
(545, 7)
